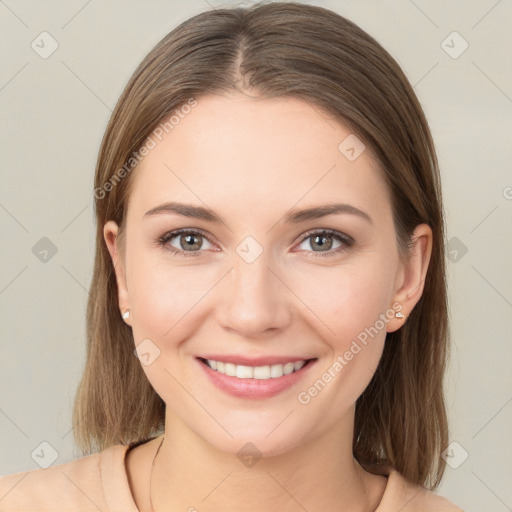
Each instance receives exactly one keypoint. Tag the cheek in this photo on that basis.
(350, 303)
(165, 297)
(345, 300)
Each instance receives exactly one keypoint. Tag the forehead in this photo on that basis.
(253, 151)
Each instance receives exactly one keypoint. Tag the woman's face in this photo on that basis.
(253, 280)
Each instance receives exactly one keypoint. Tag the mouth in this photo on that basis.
(262, 372)
(254, 380)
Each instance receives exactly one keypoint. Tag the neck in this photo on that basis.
(190, 475)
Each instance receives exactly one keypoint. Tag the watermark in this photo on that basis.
(249, 249)
(304, 397)
(150, 143)
(44, 455)
(147, 352)
(249, 454)
(454, 45)
(455, 455)
(352, 147)
(507, 193)
(457, 249)
(44, 45)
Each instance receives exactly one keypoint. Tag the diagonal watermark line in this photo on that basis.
(12, 488)
(14, 423)
(13, 217)
(427, 73)
(86, 85)
(485, 15)
(286, 491)
(74, 426)
(200, 404)
(425, 14)
(193, 192)
(409, 500)
(74, 218)
(300, 199)
(492, 211)
(2, 2)
(13, 279)
(75, 279)
(85, 494)
(301, 300)
(495, 289)
(319, 113)
(194, 305)
(75, 15)
(492, 81)
(14, 76)
(279, 424)
(510, 400)
(217, 486)
(214, 8)
(496, 496)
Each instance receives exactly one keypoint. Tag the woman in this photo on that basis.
(267, 324)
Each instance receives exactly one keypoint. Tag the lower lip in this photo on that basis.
(254, 388)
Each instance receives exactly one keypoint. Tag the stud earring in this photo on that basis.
(399, 314)
(126, 314)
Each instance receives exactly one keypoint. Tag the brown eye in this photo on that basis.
(319, 242)
(185, 241)
(190, 242)
(328, 242)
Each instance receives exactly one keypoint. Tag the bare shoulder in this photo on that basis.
(427, 501)
(406, 497)
(44, 489)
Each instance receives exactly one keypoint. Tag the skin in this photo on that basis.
(251, 160)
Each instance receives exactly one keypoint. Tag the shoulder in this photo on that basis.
(406, 497)
(76, 485)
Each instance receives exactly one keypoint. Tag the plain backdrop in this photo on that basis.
(54, 109)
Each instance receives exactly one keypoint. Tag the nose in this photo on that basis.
(254, 299)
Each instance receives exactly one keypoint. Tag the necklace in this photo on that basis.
(151, 475)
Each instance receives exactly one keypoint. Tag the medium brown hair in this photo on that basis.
(313, 54)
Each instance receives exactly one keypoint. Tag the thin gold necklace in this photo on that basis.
(151, 475)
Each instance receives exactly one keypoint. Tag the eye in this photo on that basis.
(190, 242)
(185, 242)
(324, 241)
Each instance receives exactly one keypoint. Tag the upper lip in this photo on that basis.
(254, 361)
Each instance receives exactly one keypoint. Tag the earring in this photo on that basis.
(399, 314)
(126, 314)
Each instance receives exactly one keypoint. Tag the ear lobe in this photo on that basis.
(411, 278)
(110, 234)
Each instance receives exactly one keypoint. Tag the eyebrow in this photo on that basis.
(293, 217)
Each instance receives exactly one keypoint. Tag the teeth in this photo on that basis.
(255, 372)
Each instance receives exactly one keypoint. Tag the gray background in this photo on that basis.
(55, 110)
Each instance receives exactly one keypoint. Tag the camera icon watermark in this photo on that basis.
(249, 455)
(147, 352)
(454, 45)
(44, 250)
(351, 147)
(455, 455)
(44, 455)
(44, 45)
(249, 249)
(456, 249)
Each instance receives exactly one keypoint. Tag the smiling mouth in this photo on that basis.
(266, 372)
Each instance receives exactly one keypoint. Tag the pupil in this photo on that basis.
(321, 242)
(190, 241)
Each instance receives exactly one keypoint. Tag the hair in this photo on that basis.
(281, 49)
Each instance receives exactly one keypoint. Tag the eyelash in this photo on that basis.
(344, 239)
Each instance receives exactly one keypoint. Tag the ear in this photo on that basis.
(110, 233)
(411, 276)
